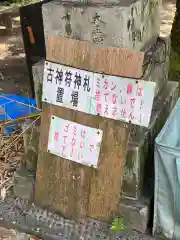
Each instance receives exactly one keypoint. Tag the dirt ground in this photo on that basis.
(14, 74)
(13, 70)
(7, 234)
(168, 9)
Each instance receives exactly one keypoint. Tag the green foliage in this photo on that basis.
(175, 31)
(19, 3)
(174, 71)
(117, 224)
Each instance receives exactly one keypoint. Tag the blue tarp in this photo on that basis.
(12, 107)
(15, 106)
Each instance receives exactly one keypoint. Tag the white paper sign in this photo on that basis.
(122, 99)
(68, 87)
(75, 142)
(113, 97)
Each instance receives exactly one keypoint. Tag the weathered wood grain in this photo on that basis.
(107, 181)
(97, 192)
(88, 56)
(55, 187)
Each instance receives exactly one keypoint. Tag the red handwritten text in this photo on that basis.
(129, 88)
(56, 136)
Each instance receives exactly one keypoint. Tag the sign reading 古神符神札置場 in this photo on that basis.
(108, 96)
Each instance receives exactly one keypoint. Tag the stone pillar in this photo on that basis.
(24, 177)
(128, 24)
(38, 70)
(31, 144)
(131, 24)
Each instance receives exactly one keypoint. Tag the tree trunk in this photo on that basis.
(175, 32)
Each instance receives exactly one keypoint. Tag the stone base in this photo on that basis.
(136, 213)
(24, 183)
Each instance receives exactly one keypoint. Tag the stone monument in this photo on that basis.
(133, 25)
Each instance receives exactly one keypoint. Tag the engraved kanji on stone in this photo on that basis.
(95, 18)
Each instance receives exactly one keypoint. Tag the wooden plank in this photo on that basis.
(97, 194)
(106, 182)
(54, 182)
(55, 187)
(88, 56)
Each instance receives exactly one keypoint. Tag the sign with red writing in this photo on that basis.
(74, 141)
(118, 98)
(122, 99)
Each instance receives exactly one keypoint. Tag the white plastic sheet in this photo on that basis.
(167, 178)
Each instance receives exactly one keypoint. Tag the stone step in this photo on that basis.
(129, 24)
(139, 160)
(135, 213)
(24, 183)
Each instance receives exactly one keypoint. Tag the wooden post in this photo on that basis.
(76, 190)
(55, 186)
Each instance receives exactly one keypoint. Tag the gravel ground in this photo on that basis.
(50, 226)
